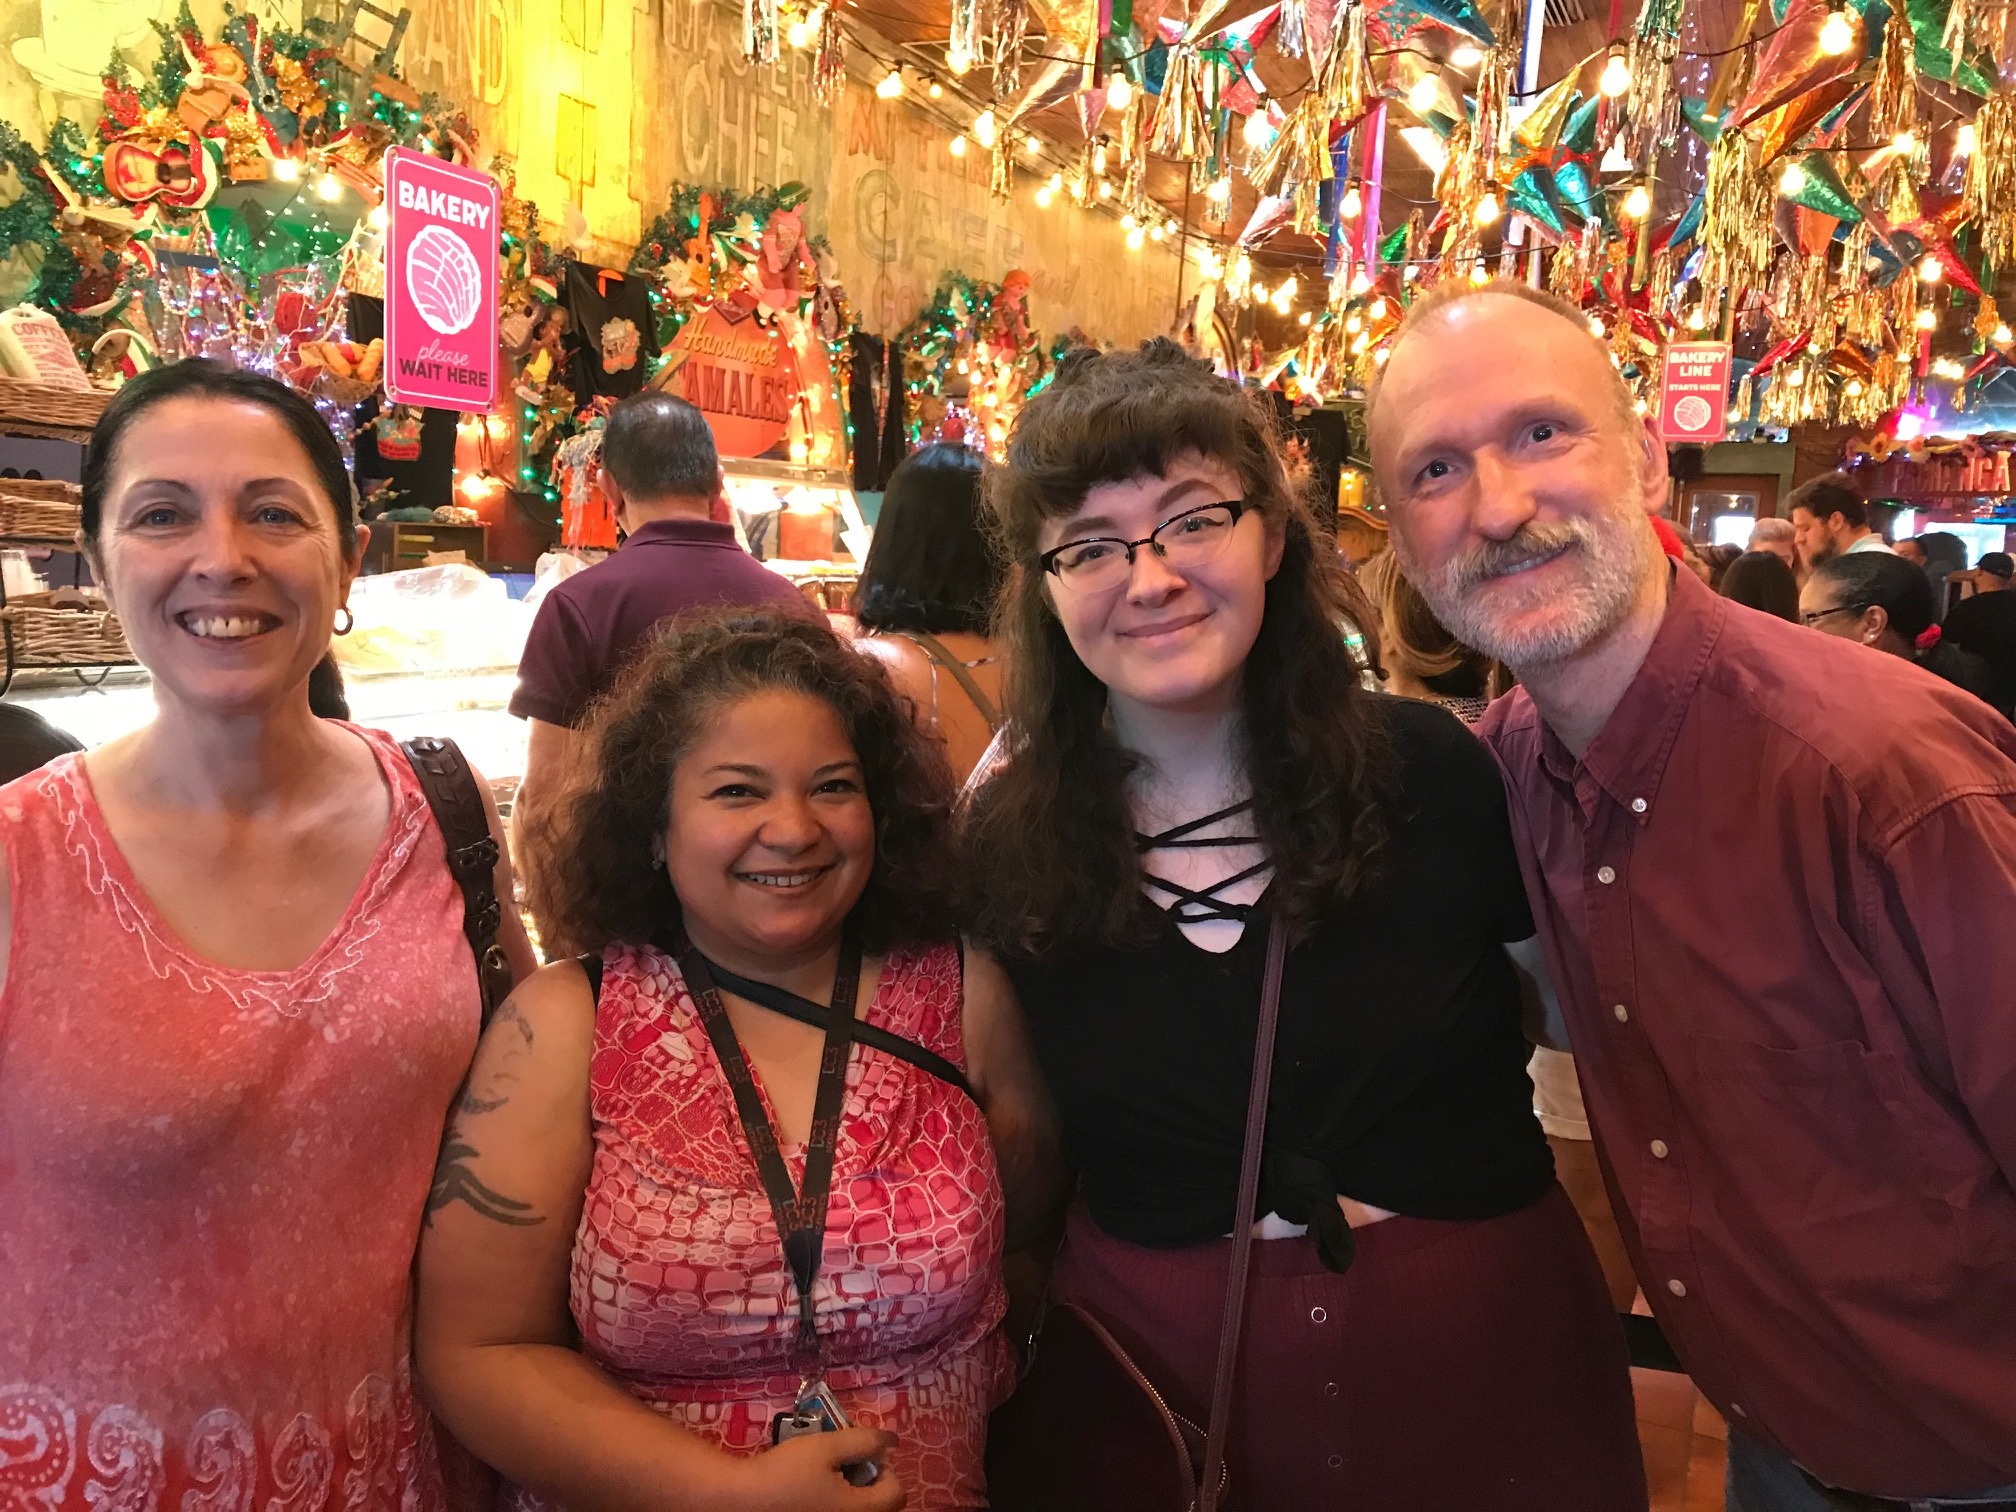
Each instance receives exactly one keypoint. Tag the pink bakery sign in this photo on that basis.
(440, 283)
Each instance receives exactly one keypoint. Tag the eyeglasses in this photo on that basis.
(1814, 616)
(1183, 541)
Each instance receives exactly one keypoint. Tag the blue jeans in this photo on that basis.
(1763, 1480)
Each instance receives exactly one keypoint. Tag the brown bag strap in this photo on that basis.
(1242, 1220)
(450, 785)
(942, 656)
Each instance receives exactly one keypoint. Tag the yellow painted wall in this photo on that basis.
(606, 103)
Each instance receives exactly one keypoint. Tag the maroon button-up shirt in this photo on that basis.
(1778, 896)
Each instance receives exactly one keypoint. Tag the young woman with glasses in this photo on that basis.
(1190, 754)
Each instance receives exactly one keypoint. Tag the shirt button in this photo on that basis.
(1606, 875)
(1639, 805)
(1659, 1149)
(1330, 1389)
(1623, 1013)
(1678, 1288)
(1336, 1460)
(1737, 1408)
(1318, 1315)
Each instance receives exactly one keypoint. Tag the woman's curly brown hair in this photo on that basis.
(1054, 864)
(596, 880)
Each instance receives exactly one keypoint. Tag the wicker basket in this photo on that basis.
(36, 409)
(54, 490)
(43, 521)
(40, 637)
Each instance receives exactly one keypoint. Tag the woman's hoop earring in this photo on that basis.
(349, 621)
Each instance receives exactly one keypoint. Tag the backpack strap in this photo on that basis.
(941, 655)
(592, 964)
(457, 804)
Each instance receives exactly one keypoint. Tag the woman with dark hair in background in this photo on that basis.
(237, 1004)
(1418, 658)
(926, 594)
(755, 819)
(1884, 602)
(1760, 580)
(1192, 764)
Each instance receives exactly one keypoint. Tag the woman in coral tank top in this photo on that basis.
(237, 1003)
(606, 1313)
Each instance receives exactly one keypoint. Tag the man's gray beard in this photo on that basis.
(1610, 557)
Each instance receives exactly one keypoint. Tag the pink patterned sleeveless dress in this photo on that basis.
(679, 1285)
(211, 1181)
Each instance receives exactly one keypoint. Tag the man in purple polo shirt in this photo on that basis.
(1775, 874)
(663, 479)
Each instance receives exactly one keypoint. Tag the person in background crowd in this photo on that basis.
(237, 1004)
(925, 595)
(1762, 580)
(662, 478)
(1829, 519)
(1985, 623)
(1720, 559)
(1419, 658)
(606, 1315)
(1945, 554)
(1193, 757)
(1776, 536)
(1777, 881)
(1911, 550)
(1884, 602)
(28, 741)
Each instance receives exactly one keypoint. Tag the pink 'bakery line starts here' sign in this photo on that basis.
(440, 283)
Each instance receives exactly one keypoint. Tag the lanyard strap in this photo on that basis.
(800, 1214)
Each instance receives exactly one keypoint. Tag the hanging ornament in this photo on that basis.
(962, 47)
(1893, 97)
(1292, 29)
(1795, 62)
(1991, 179)
(1652, 103)
(1820, 188)
(759, 31)
(1488, 122)
(1011, 31)
(1987, 321)
(1346, 80)
(1736, 229)
(829, 61)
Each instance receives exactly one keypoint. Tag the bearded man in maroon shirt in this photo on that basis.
(1776, 878)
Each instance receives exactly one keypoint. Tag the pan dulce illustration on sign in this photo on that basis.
(440, 284)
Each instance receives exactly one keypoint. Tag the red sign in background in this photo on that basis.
(1694, 392)
(440, 283)
(763, 388)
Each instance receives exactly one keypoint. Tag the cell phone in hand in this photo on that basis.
(817, 1411)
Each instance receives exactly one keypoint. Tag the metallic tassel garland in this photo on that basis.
(829, 62)
(759, 31)
(1893, 97)
(1736, 220)
(1011, 31)
(1991, 179)
(1291, 31)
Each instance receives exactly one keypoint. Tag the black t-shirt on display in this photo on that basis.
(1400, 1074)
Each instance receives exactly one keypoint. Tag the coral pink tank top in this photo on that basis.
(680, 1289)
(211, 1181)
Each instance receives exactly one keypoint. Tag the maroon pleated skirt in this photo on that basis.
(1458, 1367)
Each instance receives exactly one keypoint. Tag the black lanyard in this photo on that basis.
(800, 1214)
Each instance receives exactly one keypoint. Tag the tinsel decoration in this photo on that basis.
(1893, 97)
(1991, 179)
(1659, 291)
(1291, 31)
(1954, 35)
(1987, 320)
(1001, 166)
(829, 61)
(1489, 134)
(1011, 32)
(1345, 80)
(1180, 130)
(1134, 166)
(759, 31)
(1736, 220)
(1743, 408)
(1310, 126)
(967, 29)
(1652, 104)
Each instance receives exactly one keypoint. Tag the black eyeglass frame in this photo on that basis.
(1810, 620)
(1048, 560)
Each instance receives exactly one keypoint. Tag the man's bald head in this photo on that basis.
(1436, 308)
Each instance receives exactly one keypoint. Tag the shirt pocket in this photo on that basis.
(1836, 1162)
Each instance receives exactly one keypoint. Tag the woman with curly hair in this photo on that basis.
(729, 1179)
(1191, 764)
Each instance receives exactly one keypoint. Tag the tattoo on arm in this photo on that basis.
(455, 1182)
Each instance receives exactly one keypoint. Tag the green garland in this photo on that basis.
(679, 223)
(170, 74)
(30, 222)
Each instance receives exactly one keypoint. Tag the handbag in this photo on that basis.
(1087, 1430)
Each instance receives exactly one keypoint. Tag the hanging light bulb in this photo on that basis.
(1135, 238)
(1596, 326)
(1852, 387)
(1354, 323)
(1258, 290)
(1361, 281)
(1480, 275)
(1792, 180)
(1099, 156)
(1353, 204)
(1616, 73)
(957, 146)
(1931, 270)
(1105, 189)
(1044, 195)
(1378, 308)
(1638, 203)
(1303, 318)
(327, 187)
(985, 128)
(377, 218)
(1837, 35)
(1288, 290)
(1697, 319)
(1218, 198)
(1156, 233)
(803, 32)
(1927, 320)
(1242, 269)
(1423, 96)
(936, 91)
(959, 61)
(1056, 182)
(1488, 209)
(1258, 130)
(1904, 143)
(287, 170)
(891, 85)
(1119, 93)
(1127, 222)
(1795, 378)
(2001, 336)
(1467, 55)
(1381, 355)
(1032, 145)
(1964, 140)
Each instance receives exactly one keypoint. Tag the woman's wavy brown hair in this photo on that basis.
(596, 880)
(1052, 856)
